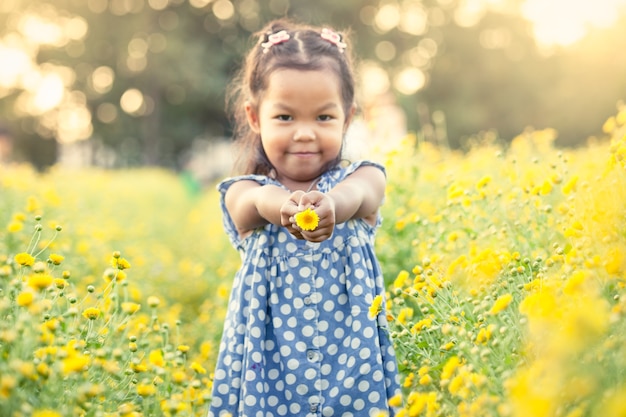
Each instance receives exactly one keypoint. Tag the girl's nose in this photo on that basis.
(304, 133)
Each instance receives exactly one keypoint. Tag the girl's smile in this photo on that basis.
(301, 121)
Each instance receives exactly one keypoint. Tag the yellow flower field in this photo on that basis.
(506, 269)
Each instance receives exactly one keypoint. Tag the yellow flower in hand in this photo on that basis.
(307, 219)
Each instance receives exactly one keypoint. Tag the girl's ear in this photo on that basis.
(252, 116)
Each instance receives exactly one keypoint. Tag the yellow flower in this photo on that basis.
(153, 301)
(307, 219)
(395, 401)
(501, 303)
(24, 259)
(75, 362)
(120, 263)
(91, 313)
(376, 306)
(146, 390)
(56, 258)
(40, 281)
(46, 413)
(15, 227)
(183, 348)
(198, 368)
(156, 358)
(130, 308)
(24, 299)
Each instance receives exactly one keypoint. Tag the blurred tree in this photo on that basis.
(142, 79)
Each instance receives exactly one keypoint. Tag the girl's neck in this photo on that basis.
(293, 185)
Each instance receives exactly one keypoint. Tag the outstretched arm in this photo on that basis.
(252, 205)
(358, 196)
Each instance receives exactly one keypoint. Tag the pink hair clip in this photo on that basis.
(275, 39)
(334, 38)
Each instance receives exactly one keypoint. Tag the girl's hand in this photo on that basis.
(324, 207)
(288, 211)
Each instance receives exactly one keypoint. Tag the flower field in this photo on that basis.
(506, 269)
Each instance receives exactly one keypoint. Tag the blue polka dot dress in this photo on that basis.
(298, 339)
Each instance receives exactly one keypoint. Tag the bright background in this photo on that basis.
(133, 82)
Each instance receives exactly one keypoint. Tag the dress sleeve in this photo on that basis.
(222, 187)
(356, 165)
(334, 177)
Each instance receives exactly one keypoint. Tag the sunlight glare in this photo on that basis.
(13, 63)
(564, 22)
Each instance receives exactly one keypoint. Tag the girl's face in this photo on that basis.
(301, 123)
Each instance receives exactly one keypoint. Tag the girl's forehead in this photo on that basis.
(315, 84)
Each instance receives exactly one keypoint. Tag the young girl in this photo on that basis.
(298, 338)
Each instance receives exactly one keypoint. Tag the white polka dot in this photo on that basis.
(309, 314)
(272, 400)
(293, 262)
(288, 293)
(261, 290)
(298, 303)
(216, 401)
(310, 374)
(308, 331)
(290, 379)
(351, 362)
(289, 335)
(293, 364)
(294, 408)
(364, 386)
(359, 273)
(345, 400)
(329, 305)
(255, 332)
(365, 353)
(220, 373)
(302, 389)
(365, 369)
(322, 325)
(357, 290)
(333, 392)
(282, 410)
(223, 389)
(339, 316)
(356, 342)
(236, 366)
(250, 400)
(342, 299)
(291, 247)
(373, 397)
(285, 309)
(304, 288)
(292, 322)
(301, 346)
(348, 382)
(285, 350)
(377, 376)
(368, 332)
(358, 404)
(305, 272)
(272, 374)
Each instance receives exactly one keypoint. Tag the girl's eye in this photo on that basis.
(283, 117)
(324, 118)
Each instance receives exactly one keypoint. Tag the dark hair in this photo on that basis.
(305, 50)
